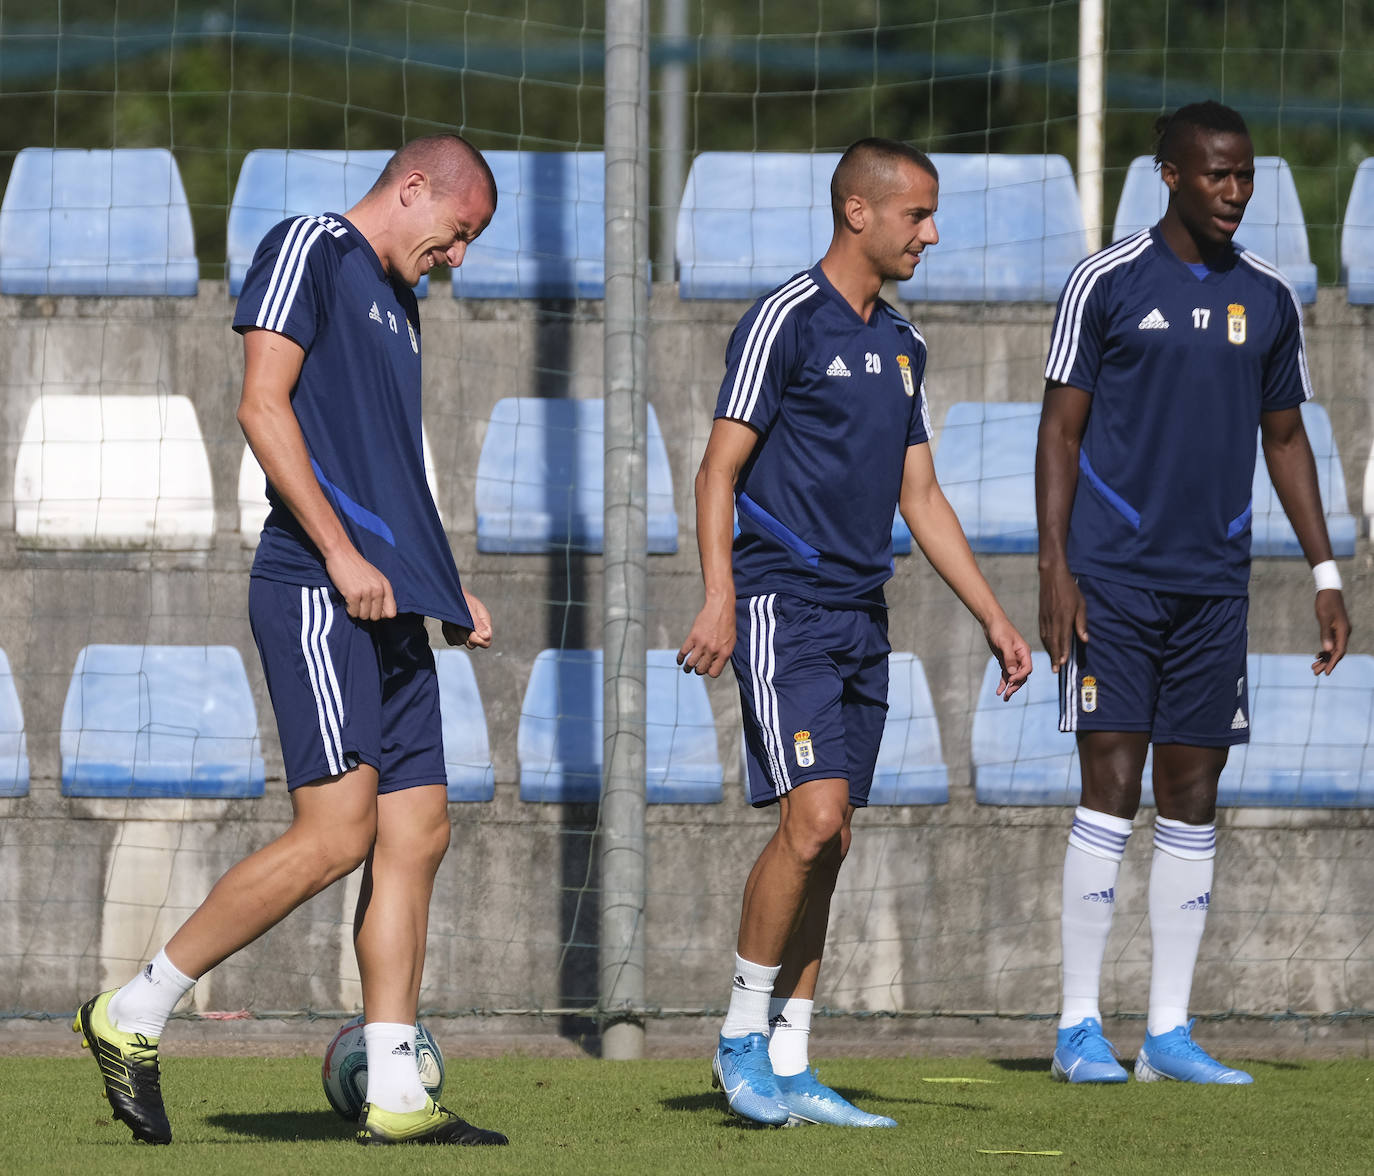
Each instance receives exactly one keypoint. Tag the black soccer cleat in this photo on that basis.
(431, 1124)
(128, 1067)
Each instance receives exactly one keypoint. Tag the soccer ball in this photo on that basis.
(344, 1072)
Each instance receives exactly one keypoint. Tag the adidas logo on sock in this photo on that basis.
(1239, 723)
(1154, 321)
(148, 971)
(403, 1049)
(779, 1022)
(1108, 895)
(1200, 903)
(837, 367)
(739, 982)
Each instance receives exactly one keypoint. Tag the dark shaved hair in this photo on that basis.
(448, 160)
(1173, 130)
(868, 168)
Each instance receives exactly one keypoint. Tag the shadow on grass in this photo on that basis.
(1024, 1065)
(709, 1101)
(289, 1126)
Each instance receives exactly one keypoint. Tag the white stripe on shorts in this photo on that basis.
(762, 661)
(1068, 688)
(317, 618)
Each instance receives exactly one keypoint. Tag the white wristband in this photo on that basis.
(1327, 575)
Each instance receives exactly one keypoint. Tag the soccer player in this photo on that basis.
(820, 432)
(1170, 348)
(352, 559)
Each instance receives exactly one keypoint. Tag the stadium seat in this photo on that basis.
(274, 184)
(540, 479)
(160, 720)
(560, 736)
(1357, 238)
(1020, 757)
(985, 461)
(911, 768)
(1273, 225)
(548, 237)
(1311, 738)
(96, 222)
(1011, 230)
(1271, 532)
(253, 491)
(113, 471)
(14, 749)
(467, 753)
(1012, 226)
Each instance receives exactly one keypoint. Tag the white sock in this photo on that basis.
(393, 1071)
(748, 1011)
(144, 1004)
(1097, 843)
(1180, 893)
(789, 1028)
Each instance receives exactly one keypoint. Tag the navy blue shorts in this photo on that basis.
(1169, 664)
(345, 691)
(813, 688)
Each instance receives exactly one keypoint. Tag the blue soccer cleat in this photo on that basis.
(1082, 1054)
(742, 1070)
(1174, 1055)
(810, 1101)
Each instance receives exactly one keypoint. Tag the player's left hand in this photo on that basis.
(1333, 628)
(479, 636)
(1012, 654)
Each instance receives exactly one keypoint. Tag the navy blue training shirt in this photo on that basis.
(836, 402)
(1179, 370)
(316, 280)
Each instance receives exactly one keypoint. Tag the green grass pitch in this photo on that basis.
(259, 1116)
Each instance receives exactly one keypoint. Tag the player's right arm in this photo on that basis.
(271, 367)
(712, 637)
(1063, 417)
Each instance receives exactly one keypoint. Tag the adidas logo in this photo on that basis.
(739, 982)
(1154, 321)
(1200, 903)
(837, 367)
(403, 1049)
(148, 972)
(779, 1022)
(1239, 723)
(1107, 896)
(374, 314)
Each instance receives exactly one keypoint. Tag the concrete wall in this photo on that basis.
(940, 909)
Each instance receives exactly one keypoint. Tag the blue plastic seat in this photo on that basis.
(14, 749)
(96, 222)
(1271, 532)
(1357, 238)
(1311, 738)
(160, 720)
(1020, 757)
(560, 737)
(1011, 230)
(985, 462)
(540, 478)
(1012, 225)
(274, 184)
(1273, 225)
(548, 236)
(467, 752)
(911, 767)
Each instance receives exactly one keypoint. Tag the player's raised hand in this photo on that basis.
(1012, 653)
(712, 638)
(1062, 614)
(1333, 628)
(479, 636)
(366, 592)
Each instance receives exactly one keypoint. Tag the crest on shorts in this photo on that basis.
(1235, 323)
(414, 338)
(801, 743)
(904, 366)
(1087, 694)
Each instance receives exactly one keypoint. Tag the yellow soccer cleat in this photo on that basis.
(431, 1124)
(128, 1067)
